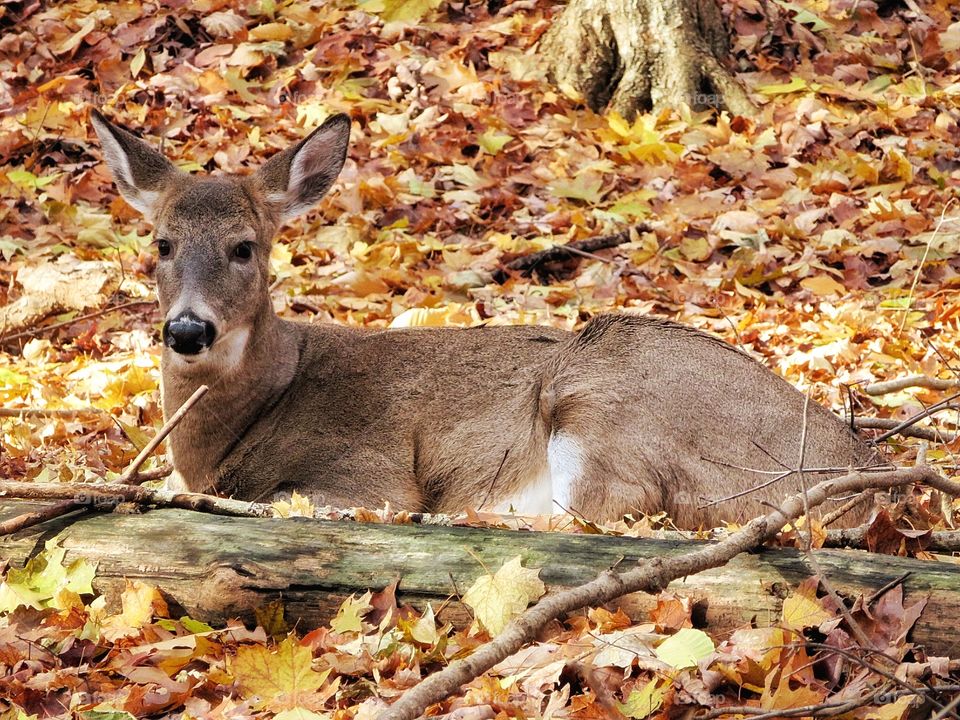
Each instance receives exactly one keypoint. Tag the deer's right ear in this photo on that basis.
(140, 172)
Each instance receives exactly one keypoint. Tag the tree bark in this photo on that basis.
(215, 567)
(636, 54)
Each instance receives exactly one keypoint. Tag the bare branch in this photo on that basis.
(586, 247)
(911, 421)
(111, 494)
(923, 381)
(49, 412)
(924, 433)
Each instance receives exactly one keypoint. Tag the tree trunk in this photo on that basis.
(638, 54)
(216, 567)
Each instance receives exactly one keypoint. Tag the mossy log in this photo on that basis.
(215, 567)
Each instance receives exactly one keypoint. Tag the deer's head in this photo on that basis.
(213, 234)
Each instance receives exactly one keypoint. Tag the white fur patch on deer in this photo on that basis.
(551, 492)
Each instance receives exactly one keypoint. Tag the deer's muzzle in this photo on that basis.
(187, 334)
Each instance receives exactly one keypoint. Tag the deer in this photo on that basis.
(630, 414)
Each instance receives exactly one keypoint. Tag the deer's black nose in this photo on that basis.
(187, 334)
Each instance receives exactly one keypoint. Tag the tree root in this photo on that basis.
(634, 55)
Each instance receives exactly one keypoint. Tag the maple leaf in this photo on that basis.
(410, 11)
(802, 609)
(497, 599)
(280, 680)
(349, 614)
(140, 602)
(297, 506)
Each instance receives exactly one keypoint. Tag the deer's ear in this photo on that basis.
(140, 172)
(295, 179)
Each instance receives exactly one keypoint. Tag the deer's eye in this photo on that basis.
(243, 251)
(164, 247)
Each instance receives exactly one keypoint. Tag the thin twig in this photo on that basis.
(834, 515)
(922, 381)
(80, 318)
(808, 550)
(911, 421)
(161, 435)
(49, 412)
(106, 493)
(827, 709)
(111, 494)
(924, 433)
(528, 263)
(150, 475)
(15, 524)
(889, 586)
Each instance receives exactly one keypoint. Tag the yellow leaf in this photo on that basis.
(642, 703)
(348, 616)
(823, 285)
(891, 711)
(271, 31)
(72, 42)
(270, 618)
(297, 506)
(136, 65)
(400, 10)
(450, 315)
(685, 648)
(497, 599)
(281, 680)
(424, 630)
(796, 84)
(140, 603)
(493, 142)
(802, 609)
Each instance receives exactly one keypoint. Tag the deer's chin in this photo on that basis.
(224, 355)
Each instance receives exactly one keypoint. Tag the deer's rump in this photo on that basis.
(672, 419)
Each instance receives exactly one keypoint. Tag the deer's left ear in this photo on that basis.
(140, 171)
(297, 178)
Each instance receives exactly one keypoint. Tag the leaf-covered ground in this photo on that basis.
(820, 236)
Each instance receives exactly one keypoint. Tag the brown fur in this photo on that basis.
(443, 420)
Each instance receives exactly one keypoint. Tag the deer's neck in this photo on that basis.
(241, 390)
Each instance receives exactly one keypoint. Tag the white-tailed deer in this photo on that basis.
(629, 414)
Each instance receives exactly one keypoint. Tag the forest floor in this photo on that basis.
(820, 237)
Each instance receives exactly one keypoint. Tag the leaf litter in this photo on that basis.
(820, 237)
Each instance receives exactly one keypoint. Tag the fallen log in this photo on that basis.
(217, 567)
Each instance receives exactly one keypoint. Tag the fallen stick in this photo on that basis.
(49, 412)
(923, 381)
(80, 318)
(130, 475)
(15, 524)
(651, 576)
(855, 537)
(149, 475)
(923, 433)
(161, 435)
(945, 404)
(108, 495)
(215, 568)
(528, 263)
